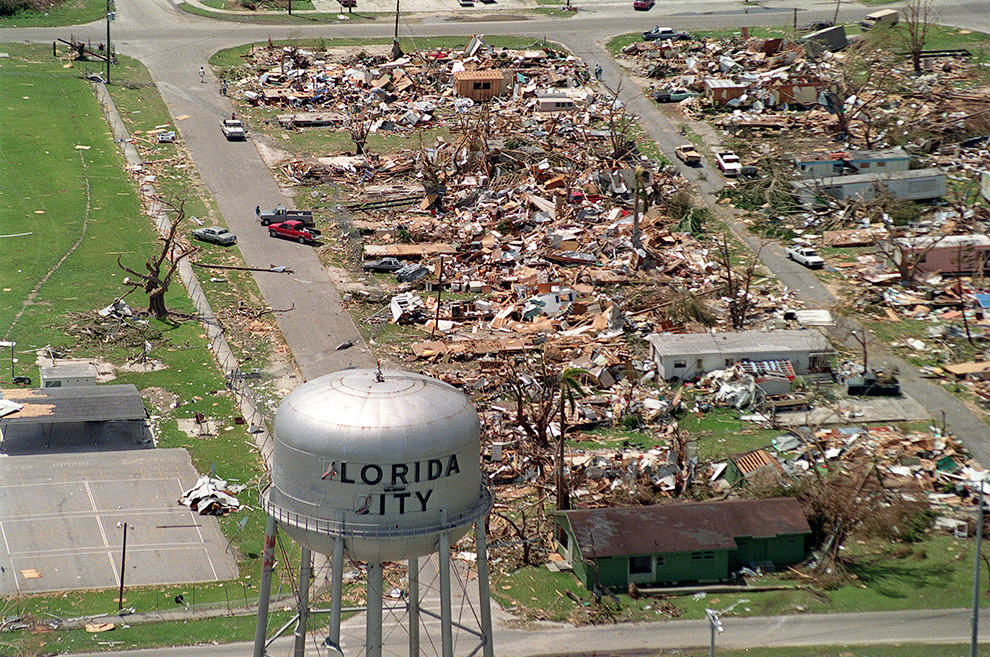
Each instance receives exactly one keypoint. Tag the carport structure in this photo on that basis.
(74, 418)
(62, 518)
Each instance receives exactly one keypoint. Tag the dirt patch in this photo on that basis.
(160, 399)
(272, 156)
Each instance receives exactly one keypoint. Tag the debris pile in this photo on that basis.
(757, 84)
(212, 497)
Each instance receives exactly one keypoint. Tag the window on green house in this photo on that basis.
(640, 565)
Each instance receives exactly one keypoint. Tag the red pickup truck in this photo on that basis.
(294, 230)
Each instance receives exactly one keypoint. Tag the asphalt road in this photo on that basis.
(173, 45)
(546, 639)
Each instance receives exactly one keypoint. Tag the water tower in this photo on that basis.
(378, 466)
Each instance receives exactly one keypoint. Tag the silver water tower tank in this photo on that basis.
(387, 460)
(380, 466)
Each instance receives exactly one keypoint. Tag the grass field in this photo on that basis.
(71, 12)
(70, 210)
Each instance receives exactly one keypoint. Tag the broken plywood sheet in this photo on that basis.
(408, 250)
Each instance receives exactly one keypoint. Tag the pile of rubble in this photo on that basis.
(756, 84)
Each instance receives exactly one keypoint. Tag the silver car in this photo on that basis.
(215, 234)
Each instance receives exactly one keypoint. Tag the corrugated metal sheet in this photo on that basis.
(682, 527)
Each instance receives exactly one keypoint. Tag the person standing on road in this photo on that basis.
(223, 87)
(598, 71)
(202, 75)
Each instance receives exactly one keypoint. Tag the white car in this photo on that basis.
(233, 130)
(806, 256)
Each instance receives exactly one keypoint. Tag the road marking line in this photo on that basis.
(96, 513)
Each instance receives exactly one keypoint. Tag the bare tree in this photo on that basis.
(915, 29)
(360, 128)
(858, 89)
(736, 281)
(570, 388)
(160, 269)
(907, 253)
(620, 124)
(530, 387)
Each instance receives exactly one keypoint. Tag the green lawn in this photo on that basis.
(71, 12)
(70, 210)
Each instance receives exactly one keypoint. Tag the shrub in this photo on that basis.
(12, 7)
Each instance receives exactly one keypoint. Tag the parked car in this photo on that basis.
(665, 33)
(673, 95)
(806, 256)
(294, 230)
(233, 130)
(688, 154)
(348, 3)
(383, 265)
(728, 163)
(643, 5)
(215, 234)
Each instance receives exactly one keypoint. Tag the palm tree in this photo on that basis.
(570, 390)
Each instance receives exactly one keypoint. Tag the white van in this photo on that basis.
(883, 18)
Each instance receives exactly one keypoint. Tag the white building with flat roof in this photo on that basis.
(688, 356)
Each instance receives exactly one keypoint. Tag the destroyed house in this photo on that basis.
(827, 165)
(480, 86)
(688, 356)
(917, 185)
(951, 254)
(681, 542)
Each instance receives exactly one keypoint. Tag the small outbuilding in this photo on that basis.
(480, 86)
(688, 356)
(682, 542)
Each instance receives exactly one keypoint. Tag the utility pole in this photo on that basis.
(396, 49)
(974, 646)
(123, 564)
(111, 15)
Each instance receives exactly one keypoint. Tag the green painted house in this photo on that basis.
(684, 542)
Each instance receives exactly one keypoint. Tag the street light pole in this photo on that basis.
(715, 624)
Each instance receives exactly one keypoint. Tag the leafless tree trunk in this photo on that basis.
(160, 269)
(736, 282)
(915, 29)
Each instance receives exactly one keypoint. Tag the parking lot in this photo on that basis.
(62, 521)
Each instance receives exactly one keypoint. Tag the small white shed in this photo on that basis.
(66, 375)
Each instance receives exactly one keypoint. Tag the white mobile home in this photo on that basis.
(687, 356)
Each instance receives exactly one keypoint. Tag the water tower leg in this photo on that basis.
(305, 559)
(336, 586)
(374, 616)
(267, 565)
(481, 544)
(413, 603)
(447, 634)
